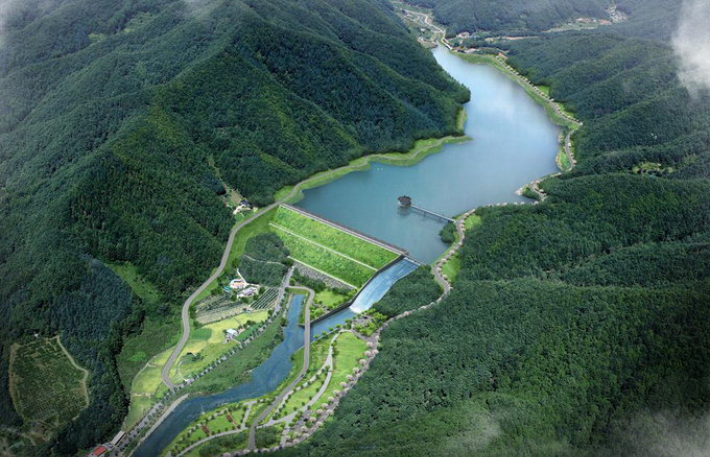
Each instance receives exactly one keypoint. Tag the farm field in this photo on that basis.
(207, 343)
(46, 386)
(146, 388)
(333, 238)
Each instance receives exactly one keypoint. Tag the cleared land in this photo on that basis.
(208, 343)
(45, 384)
(342, 255)
(338, 240)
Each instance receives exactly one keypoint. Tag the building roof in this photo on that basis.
(99, 451)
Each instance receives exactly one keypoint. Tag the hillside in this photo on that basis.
(578, 326)
(122, 126)
(654, 18)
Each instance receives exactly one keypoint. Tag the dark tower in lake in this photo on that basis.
(405, 201)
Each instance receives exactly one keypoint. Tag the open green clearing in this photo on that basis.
(45, 385)
(146, 389)
(208, 343)
(348, 351)
(346, 257)
(318, 355)
(325, 260)
(333, 238)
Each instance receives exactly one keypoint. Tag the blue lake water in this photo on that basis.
(513, 143)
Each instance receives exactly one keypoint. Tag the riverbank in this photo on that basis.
(420, 151)
(555, 110)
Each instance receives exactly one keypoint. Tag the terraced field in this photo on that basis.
(329, 249)
(45, 385)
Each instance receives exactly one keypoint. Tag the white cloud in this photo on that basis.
(6, 7)
(691, 43)
(669, 434)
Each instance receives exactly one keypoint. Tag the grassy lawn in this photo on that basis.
(235, 369)
(141, 287)
(318, 355)
(326, 261)
(44, 384)
(160, 332)
(452, 267)
(220, 445)
(333, 238)
(208, 343)
(146, 388)
(331, 299)
(472, 221)
(349, 349)
(215, 421)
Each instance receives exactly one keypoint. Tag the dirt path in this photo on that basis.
(85, 378)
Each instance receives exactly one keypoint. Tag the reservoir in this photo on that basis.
(513, 143)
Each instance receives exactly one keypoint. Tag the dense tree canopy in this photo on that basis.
(578, 326)
(122, 122)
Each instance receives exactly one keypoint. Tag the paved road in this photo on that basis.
(306, 360)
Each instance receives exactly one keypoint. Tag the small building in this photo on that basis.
(117, 439)
(245, 203)
(231, 334)
(100, 450)
(237, 284)
(405, 201)
(248, 292)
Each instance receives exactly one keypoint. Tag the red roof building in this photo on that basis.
(99, 451)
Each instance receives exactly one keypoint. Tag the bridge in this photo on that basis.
(405, 201)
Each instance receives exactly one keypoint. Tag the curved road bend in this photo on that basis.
(306, 360)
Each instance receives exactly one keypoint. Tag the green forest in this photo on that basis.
(654, 18)
(120, 125)
(578, 326)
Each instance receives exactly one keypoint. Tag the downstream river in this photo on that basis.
(513, 143)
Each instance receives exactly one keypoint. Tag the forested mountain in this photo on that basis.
(120, 121)
(578, 326)
(655, 18)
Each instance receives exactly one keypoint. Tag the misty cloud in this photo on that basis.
(691, 43)
(668, 434)
(7, 7)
